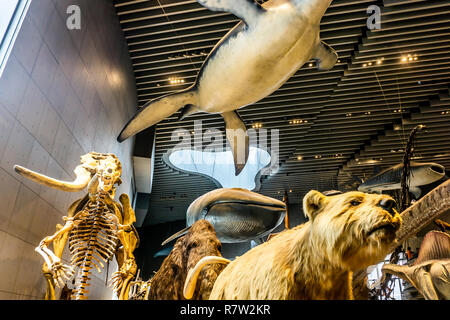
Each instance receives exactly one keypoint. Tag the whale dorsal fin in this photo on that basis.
(247, 10)
(238, 139)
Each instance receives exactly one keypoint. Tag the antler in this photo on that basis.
(83, 177)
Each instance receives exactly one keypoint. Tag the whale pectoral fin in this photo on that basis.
(155, 111)
(187, 111)
(247, 10)
(326, 56)
(237, 138)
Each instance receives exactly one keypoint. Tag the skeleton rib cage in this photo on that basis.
(92, 240)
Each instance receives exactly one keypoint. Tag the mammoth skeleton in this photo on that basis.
(96, 227)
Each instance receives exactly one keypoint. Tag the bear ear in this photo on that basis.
(313, 202)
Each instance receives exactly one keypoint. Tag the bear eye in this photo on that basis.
(355, 203)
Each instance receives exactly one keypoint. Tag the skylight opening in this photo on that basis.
(219, 166)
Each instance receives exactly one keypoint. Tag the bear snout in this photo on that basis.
(388, 205)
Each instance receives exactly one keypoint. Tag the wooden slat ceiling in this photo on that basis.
(358, 114)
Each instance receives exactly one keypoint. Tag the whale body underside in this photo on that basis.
(252, 61)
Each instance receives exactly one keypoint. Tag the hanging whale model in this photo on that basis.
(253, 60)
(390, 179)
(237, 215)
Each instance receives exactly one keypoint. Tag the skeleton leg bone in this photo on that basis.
(129, 240)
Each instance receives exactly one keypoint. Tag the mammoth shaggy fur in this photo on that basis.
(345, 233)
(168, 282)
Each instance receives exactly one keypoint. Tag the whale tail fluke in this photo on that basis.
(157, 110)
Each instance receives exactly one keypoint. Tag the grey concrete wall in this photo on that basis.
(63, 93)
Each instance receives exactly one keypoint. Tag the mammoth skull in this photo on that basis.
(98, 170)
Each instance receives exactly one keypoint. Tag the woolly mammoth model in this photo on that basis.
(345, 233)
(168, 282)
(96, 226)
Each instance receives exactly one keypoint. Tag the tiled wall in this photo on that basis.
(63, 93)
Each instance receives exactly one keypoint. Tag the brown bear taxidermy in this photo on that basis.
(199, 242)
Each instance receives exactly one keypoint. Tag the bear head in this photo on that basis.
(352, 230)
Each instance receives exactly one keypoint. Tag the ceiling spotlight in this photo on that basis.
(409, 58)
(364, 65)
(290, 190)
(174, 80)
(379, 62)
(299, 158)
(370, 63)
(310, 64)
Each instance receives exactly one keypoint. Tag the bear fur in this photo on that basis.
(345, 233)
(168, 282)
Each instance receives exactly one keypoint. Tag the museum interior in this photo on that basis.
(155, 149)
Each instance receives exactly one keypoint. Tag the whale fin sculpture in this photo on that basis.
(253, 60)
(161, 108)
(247, 10)
(236, 133)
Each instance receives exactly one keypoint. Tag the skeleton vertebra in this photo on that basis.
(96, 226)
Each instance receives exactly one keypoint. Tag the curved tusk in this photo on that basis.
(176, 235)
(82, 179)
(192, 276)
